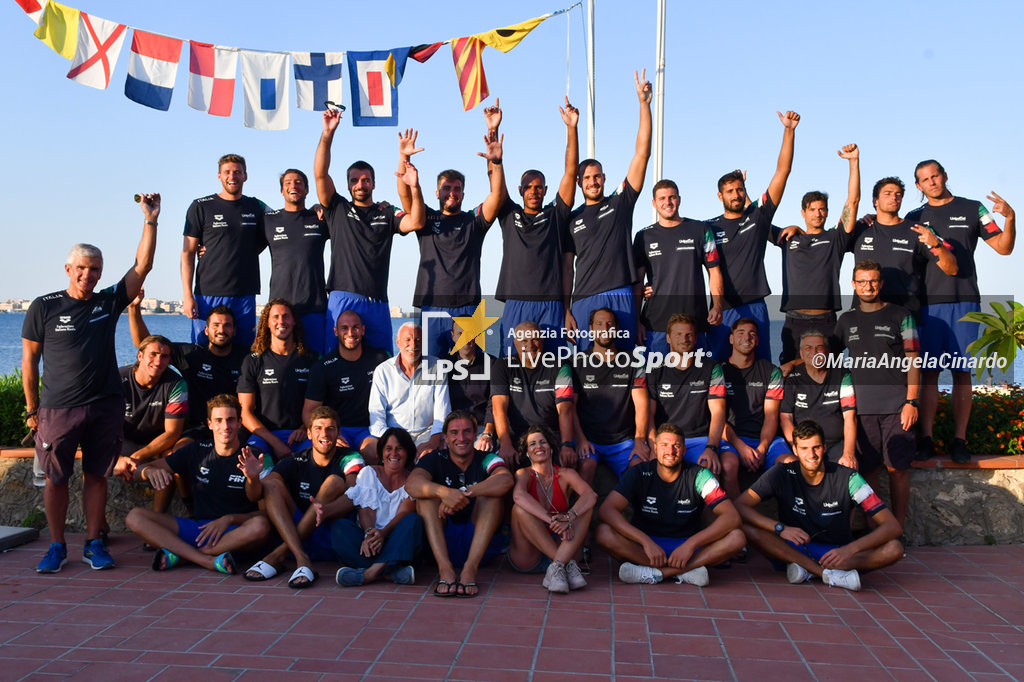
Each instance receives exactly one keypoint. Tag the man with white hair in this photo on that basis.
(81, 405)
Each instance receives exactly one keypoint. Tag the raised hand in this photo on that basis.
(150, 204)
(410, 177)
(249, 464)
(332, 118)
(999, 205)
(790, 119)
(493, 142)
(570, 114)
(407, 143)
(493, 116)
(644, 91)
(926, 235)
(849, 151)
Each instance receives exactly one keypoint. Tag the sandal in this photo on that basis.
(263, 570)
(302, 578)
(464, 594)
(165, 560)
(450, 592)
(225, 563)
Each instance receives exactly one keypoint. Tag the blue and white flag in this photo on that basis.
(317, 79)
(265, 84)
(374, 79)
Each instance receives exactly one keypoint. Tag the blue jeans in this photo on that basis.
(400, 548)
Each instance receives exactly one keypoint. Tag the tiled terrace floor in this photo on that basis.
(952, 613)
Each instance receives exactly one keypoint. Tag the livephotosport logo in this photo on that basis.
(475, 327)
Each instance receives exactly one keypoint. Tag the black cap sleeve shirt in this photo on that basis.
(600, 236)
(824, 403)
(746, 390)
(903, 257)
(878, 341)
(344, 386)
(810, 270)
(232, 232)
(683, 394)
(439, 465)
(361, 240)
(77, 338)
(531, 262)
(960, 224)
(279, 383)
(218, 487)
(450, 248)
(296, 240)
(673, 258)
(145, 409)
(669, 509)
(741, 246)
(207, 375)
(605, 396)
(303, 477)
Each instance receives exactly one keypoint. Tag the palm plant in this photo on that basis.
(1003, 335)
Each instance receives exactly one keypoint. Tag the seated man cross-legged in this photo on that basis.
(815, 497)
(223, 476)
(459, 494)
(667, 537)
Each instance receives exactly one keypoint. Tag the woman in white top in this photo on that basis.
(388, 534)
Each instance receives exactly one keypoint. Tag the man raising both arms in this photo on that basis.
(362, 232)
(598, 243)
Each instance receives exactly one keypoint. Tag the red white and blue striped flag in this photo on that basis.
(152, 68)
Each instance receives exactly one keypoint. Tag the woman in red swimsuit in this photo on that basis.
(548, 533)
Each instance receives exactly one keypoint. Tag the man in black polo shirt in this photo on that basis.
(883, 345)
(229, 226)
(224, 478)
(72, 331)
(611, 402)
(688, 390)
(342, 381)
(667, 537)
(155, 407)
(530, 279)
(272, 386)
(815, 498)
(296, 239)
(469, 388)
(670, 254)
(742, 233)
(459, 494)
(811, 262)
(959, 223)
(209, 370)
(823, 394)
(532, 387)
(362, 232)
(598, 242)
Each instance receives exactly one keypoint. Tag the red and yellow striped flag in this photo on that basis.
(469, 68)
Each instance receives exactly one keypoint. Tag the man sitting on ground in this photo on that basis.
(816, 497)
(460, 494)
(667, 537)
(317, 475)
(226, 517)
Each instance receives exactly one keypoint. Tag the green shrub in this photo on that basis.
(12, 410)
(996, 426)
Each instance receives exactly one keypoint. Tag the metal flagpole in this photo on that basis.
(659, 96)
(591, 146)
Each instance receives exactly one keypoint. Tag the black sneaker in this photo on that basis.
(925, 449)
(584, 563)
(960, 454)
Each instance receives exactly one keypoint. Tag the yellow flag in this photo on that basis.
(389, 68)
(505, 39)
(59, 29)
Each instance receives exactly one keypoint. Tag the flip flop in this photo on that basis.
(466, 595)
(225, 563)
(305, 573)
(264, 571)
(449, 593)
(165, 560)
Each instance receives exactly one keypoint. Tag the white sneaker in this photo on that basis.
(555, 579)
(632, 573)
(575, 576)
(849, 580)
(797, 574)
(698, 577)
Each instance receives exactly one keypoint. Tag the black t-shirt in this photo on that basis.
(824, 403)
(531, 261)
(741, 246)
(669, 510)
(683, 395)
(672, 258)
(599, 235)
(959, 223)
(810, 270)
(77, 338)
(823, 510)
(746, 390)
(361, 239)
(450, 247)
(206, 375)
(303, 476)
(443, 470)
(145, 409)
(903, 257)
(232, 232)
(605, 396)
(533, 394)
(345, 386)
(884, 336)
(473, 391)
(296, 240)
(279, 383)
(218, 486)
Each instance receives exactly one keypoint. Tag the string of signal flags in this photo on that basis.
(93, 46)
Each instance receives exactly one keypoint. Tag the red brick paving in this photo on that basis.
(945, 613)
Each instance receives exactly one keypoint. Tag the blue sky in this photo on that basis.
(903, 84)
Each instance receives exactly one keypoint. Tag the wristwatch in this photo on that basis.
(779, 528)
(712, 447)
(911, 401)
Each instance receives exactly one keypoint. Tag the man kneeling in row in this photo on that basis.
(225, 480)
(666, 538)
(816, 497)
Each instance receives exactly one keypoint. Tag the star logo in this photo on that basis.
(472, 327)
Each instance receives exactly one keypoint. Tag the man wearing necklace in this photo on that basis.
(667, 537)
(459, 495)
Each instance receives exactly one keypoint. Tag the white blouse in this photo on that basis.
(369, 492)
